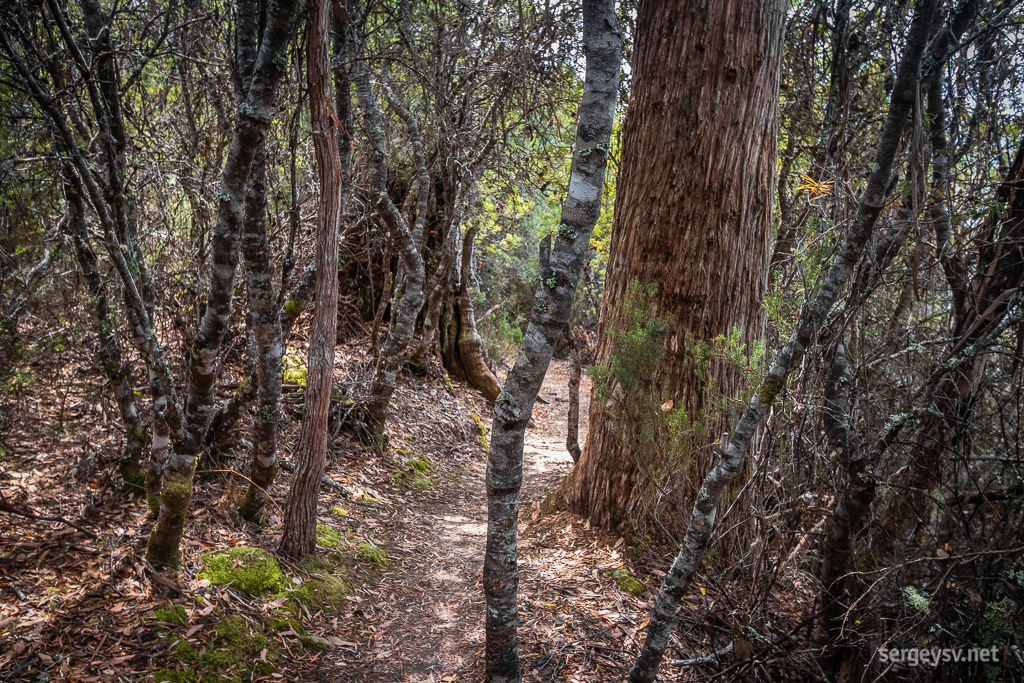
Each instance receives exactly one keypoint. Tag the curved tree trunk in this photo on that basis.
(408, 289)
(472, 356)
(692, 216)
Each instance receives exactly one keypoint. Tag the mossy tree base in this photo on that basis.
(175, 495)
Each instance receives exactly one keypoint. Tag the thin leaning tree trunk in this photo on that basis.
(110, 352)
(552, 306)
(572, 437)
(851, 508)
(299, 538)
(408, 293)
(731, 458)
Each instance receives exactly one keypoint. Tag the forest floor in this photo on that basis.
(402, 536)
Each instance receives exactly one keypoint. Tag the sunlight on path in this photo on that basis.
(423, 621)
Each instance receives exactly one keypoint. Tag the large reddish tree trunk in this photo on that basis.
(691, 215)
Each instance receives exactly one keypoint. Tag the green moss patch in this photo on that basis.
(415, 474)
(251, 569)
(327, 537)
(329, 584)
(370, 554)
(171, 614)
(294, 371)
(240, 650)
(628, 583)
(481, 431)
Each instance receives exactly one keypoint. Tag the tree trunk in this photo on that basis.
(408, 288)
(252, 123)
(552, 306)
(692, 217)
(299, 538)
(266, 326)
(117, 374)
(471, 350)
(731, 457)
(853, 503)
(572, 438)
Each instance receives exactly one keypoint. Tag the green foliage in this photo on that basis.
(997, 623)
(660, 436)
(656, 434)
(502, 334)
(251, 569)
(916, 599)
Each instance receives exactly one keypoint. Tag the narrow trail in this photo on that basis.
(423, 621)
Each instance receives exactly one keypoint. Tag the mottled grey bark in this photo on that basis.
(551, 309)
(299, 537)
(117, 374)
(408, 291)
(264, 306)
(251, 124)
(732, 455)
(266, 326)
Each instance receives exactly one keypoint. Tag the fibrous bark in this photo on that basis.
(551, 310)
(299, 538)
(731, 457)
(691, 217)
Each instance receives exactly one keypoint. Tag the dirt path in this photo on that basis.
(423, 621)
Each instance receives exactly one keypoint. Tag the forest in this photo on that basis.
(511, 340)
